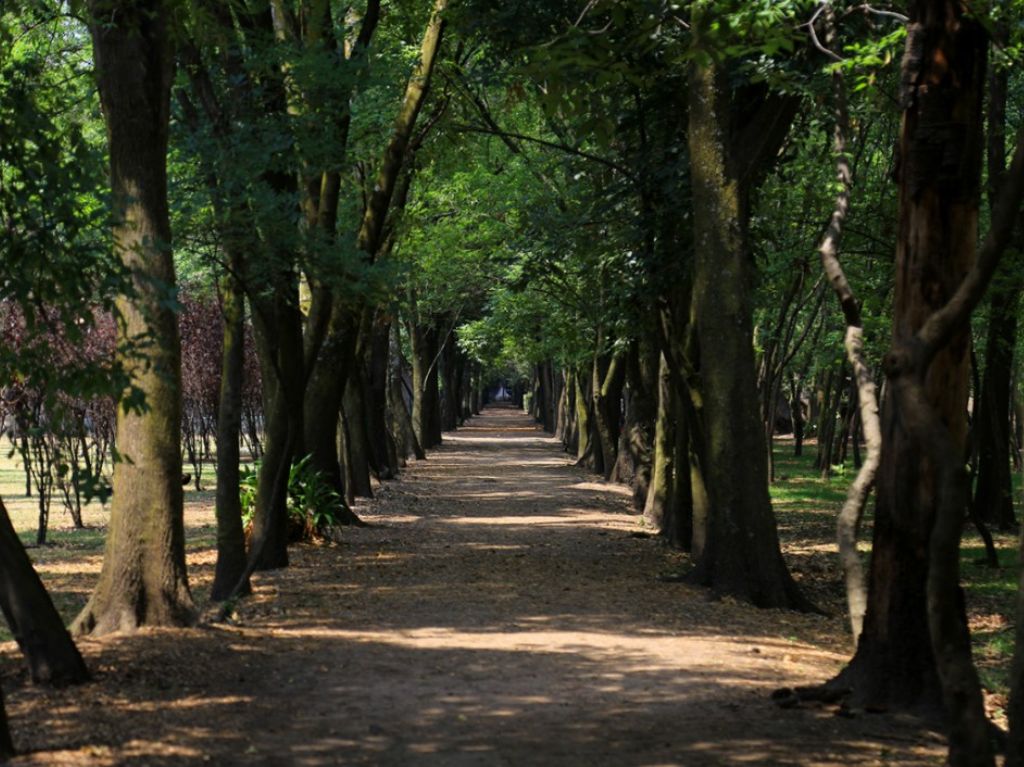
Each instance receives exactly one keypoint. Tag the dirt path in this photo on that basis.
(502, 610)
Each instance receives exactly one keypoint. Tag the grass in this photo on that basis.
(806, 507)
(70, 561)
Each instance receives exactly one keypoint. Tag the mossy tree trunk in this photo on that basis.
(741, 556)
(143, 581)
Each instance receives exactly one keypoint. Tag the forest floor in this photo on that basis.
(501, 608)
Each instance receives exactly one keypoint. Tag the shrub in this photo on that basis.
(312, 503)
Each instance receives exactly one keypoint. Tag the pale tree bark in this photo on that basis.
(143, 579)
(849, 520)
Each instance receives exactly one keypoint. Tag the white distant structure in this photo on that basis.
(502, 394)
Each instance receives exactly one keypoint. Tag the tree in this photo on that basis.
(34, 621)
(143, 580)
(894, 663)
(741, 555)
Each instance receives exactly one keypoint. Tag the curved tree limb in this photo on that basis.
(848, 522)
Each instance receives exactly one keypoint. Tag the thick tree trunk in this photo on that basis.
(636, 440)
(34, 622)
(449, 365)
(278, 331)
(895, 664)
(656, 505)
(688, 502)
(741, 555)
(993, 498)
(143, 580)
(324, 392)
(231, 556)
(584, 446)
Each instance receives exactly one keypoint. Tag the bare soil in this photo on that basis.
(503, 608)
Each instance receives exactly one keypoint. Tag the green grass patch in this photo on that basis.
(806, 505)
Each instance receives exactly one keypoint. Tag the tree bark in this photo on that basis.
(357, 447)
(231, 556)
(382, 440)
(401, 419)
(607, 409)
(143, 581)
(741, 555)
(993, 494)
(849, 519)
(909, 626)
(426, 403)
(656, 504)
(7, 750)
(35, 623)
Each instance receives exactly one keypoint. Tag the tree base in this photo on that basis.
(103, 616)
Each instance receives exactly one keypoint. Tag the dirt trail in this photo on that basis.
(501, 610)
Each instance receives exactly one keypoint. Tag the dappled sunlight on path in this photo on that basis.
(502, 608)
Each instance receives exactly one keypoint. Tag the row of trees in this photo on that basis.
(273, 121)
(678, 306)
(624, 197)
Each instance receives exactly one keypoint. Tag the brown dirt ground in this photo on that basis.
(503, 608)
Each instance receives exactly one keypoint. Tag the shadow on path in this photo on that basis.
(501, 611)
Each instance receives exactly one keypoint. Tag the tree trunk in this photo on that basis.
(741, 555)
(449, 384)
(143, 580)
(380, 430)
(324, 393)
(34, 621)
(608, 382)
(401, 421)
(656, 504)
(688, 504)
(993, 495)
(356, 456)
(895, 664)
(277, 326)
(231, 557)
(584, 446)
(7, 751)
(426, 416)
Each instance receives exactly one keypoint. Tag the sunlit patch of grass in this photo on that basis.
(806, 506)
(70, 561)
